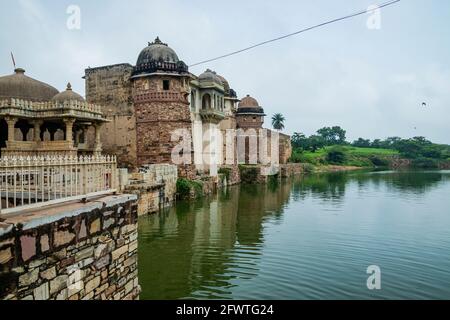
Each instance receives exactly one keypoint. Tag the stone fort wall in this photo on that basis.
(75, 251)
(110, 87)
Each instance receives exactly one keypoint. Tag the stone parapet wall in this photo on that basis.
(155, 186)
(73, 251)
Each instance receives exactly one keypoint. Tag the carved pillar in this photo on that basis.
(69, 129)
(37, 130)
(98, 143)
(11, 121)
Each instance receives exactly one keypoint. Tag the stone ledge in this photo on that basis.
(31, 219)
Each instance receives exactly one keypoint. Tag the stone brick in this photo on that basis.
(41, 292)
(129, 287)
(83, 230)
(63, 237)
(75, 288)
(28, 244)
(130, 261)
(118, 252)
(29, 278)
(49, 274)
(95, 226)
(5, 255)
(104, 274)
(45, 244)
(62, 295)
(84, 254)
(133, 246)
(58, 284)
(102, 262)
(101, 250)
(110, 290)
(91, 285)
(36, 263)
(30, 297)
(108, 223)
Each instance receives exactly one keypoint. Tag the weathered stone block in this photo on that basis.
(58, 284)
(29, 278)
(118, 252)
(84, 254)
(63, 237)
(91, 285)
(102, 262)
(5, 255)
(48, 274)
(28, 244)
(42, 292)
(45, 244)
(95, 226)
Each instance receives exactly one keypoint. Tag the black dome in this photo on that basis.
(158, 56)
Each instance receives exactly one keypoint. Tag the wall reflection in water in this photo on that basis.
(210, 247)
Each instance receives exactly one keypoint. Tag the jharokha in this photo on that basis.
(76, 172)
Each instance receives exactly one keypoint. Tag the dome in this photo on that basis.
(68, 95)
(249, 105)
(248, 102)
(210, 76)
(157, 51)
(20, 86)
(158, 56)
(225, 84)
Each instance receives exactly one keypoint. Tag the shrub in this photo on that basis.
(379, 162)
(336, 156)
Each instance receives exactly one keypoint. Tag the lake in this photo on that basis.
(310, 237)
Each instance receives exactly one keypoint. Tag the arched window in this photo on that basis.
(206, 101)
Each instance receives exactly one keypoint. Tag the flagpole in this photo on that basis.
(13, 61)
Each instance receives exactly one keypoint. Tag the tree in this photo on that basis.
(316, 142)
(278, 121)
(361, 143)
(332, 136)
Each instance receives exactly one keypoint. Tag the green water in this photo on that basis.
(308, 238)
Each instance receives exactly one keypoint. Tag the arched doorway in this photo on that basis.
(3, 134)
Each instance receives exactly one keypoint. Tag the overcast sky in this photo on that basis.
(370, 82)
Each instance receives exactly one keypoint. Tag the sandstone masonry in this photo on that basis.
(75, 251)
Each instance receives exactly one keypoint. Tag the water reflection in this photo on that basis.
(271, 241)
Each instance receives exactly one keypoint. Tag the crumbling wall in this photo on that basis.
(111, 87)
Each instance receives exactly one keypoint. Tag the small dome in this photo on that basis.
(248, 102)
(225, 85)
(159, 57)
(249, 105)
(20, 86)
(157, 52)
(68, 95)
(210, 76)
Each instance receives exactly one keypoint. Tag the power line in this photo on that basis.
(300, 31)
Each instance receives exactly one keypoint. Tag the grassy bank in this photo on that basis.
(345, 156)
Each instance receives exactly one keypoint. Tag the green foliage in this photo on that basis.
(379, 161)
(278, 121)
(226, 172)
(425, 163)
(332, 136)
(336, 155)
(185, 187)
(361, 143)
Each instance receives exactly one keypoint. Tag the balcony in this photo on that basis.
(212, 115)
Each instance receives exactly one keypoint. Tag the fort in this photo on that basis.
(75, 173)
